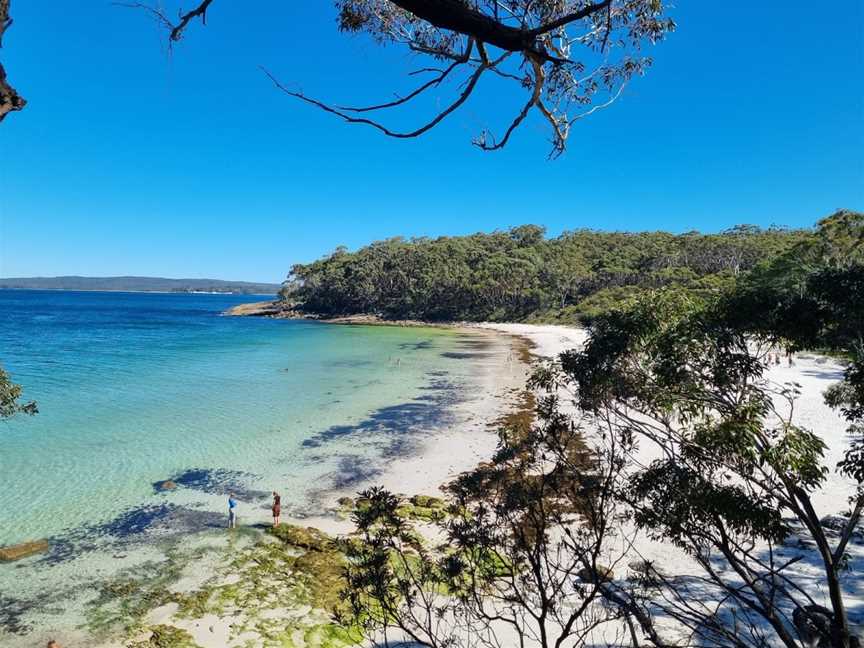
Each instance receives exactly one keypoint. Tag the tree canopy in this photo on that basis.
(520, 274)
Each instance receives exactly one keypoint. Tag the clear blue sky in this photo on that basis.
(127, 161)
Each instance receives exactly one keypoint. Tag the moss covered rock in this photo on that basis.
(165, 636)
(331, 635)
(308, 538)
(427, 501)
(428, 514)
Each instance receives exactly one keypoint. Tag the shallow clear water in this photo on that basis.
(136, 388)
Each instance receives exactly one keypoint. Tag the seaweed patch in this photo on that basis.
(217, 481)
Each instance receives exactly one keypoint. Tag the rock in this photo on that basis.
(308, 538)
(601, 574)
(645, 568)
(837, 525)
(363, 504)
(427, 501)
(405, 511)
(166, 485)
(19, 551)
(428, 514)
(165, 636)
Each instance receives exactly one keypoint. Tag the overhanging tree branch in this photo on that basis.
(469, 88)
(542, 38)
(10, 100)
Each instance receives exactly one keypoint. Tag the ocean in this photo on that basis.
(137, 388)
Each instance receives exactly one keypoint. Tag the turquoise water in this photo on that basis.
(137, 388)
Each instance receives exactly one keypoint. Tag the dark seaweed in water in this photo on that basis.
(216, 481)
(387, 421)
(393, 426)
(164, 519)
(12, 613)
(132, 526)
(135, 521)
(464, 355)
(474, 344)
(353, 470)
(416, 346)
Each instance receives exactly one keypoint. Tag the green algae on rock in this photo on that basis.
(285, 589)
(165, 636)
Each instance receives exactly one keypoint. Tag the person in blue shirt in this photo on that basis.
(232, 511)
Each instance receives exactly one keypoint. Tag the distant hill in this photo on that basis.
(139, 284)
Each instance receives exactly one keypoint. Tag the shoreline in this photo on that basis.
(457, 448)
(277, 310)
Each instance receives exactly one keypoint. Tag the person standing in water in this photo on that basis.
(277, 508)
(232, 511)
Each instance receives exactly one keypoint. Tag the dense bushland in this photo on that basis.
(520, 274)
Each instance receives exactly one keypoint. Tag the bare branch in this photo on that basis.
(433, 82)
(569, 18)
(465, 33)
(469, 88)
(185, 19)
(532, 101)
(175, 29)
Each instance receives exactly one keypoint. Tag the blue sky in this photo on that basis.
(127, 161)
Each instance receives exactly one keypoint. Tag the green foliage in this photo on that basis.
(686, 374)
(837, 242)
(519, 274)
(677, 503)
(10, 393)
(510, 550)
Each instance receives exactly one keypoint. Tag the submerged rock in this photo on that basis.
(166, 485)
(16, 552)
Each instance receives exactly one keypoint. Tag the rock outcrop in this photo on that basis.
(19, 551)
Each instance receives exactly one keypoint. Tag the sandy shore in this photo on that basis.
(501, 373)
